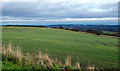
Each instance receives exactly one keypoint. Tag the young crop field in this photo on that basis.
(88, 49)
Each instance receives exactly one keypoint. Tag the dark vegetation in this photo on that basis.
(110, 30)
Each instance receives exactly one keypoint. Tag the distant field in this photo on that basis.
(100, 51)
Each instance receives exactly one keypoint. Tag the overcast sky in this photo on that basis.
(60, 11)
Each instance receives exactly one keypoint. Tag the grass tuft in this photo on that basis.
(68, 61)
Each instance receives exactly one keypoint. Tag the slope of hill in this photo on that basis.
(86, 48)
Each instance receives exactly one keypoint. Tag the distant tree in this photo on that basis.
(95, 32)
(60, 27)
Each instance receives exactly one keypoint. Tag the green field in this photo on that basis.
(88, 49)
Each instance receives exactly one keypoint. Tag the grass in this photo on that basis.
(82, 47)
(13, 58)
(108, 32)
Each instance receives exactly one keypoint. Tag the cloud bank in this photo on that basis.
(62, 11)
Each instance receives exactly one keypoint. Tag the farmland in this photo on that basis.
(88, 49)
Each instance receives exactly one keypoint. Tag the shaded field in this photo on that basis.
(86, 48)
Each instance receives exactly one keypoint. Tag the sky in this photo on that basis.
(47, 12)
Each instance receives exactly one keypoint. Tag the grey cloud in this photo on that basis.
(58, 10)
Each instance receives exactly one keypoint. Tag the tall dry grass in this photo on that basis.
(78, 65)
(14, 54)
(68, 61)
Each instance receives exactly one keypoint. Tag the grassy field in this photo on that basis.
(88, 49)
